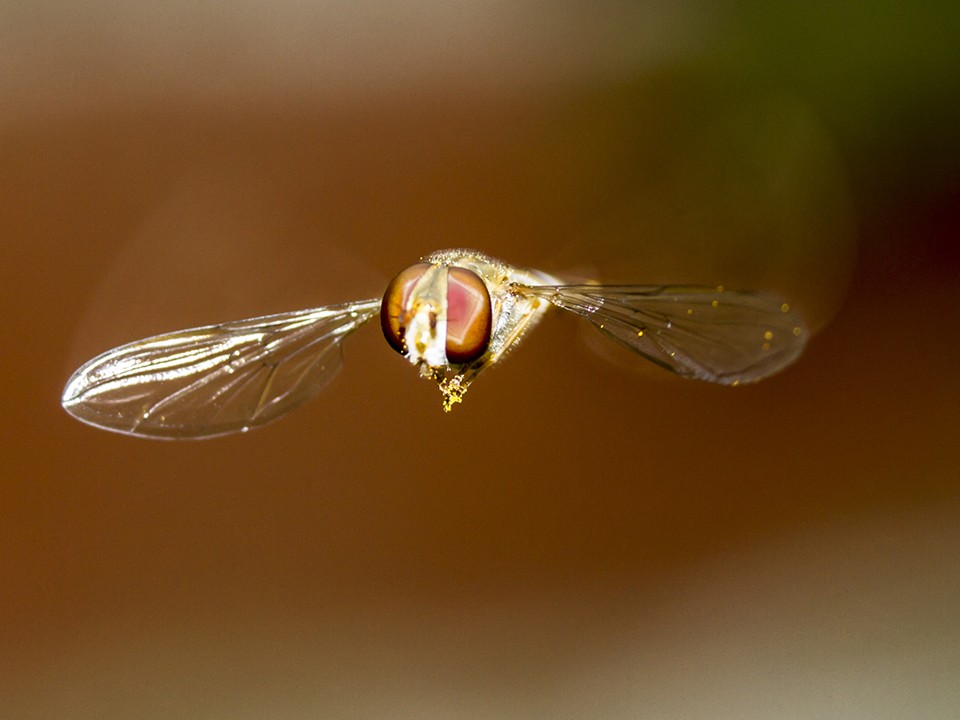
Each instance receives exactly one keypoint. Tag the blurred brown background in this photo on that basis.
(585, 537)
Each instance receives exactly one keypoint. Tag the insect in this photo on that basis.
(453, 315)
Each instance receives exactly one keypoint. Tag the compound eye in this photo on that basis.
(469, 317)
(393, 308)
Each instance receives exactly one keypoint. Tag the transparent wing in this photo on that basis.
(704, 333)
(216, 379)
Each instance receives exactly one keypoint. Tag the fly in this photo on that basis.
(452, 315)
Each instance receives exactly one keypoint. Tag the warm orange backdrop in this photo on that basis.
(584, 536)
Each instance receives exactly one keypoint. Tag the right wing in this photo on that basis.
(216, 379)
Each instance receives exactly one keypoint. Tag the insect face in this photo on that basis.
(437, 315)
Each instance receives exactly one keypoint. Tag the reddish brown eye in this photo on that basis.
(469, 318)
(393, 318)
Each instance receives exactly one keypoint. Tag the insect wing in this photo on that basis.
(216, 379)
(704, 333)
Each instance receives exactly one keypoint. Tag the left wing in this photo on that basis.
(216, 379)
(703, 333)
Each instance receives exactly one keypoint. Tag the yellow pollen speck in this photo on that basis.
(784, 308)
(639, 333)
(768, 335)
(719, 288)
(453, 391)
(715, 303)
(765, 346)
(689, 311)
(797, 331)
(734, 383)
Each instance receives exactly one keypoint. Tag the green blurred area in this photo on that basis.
(884, 76)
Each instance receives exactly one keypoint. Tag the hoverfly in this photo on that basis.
(453, 315)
